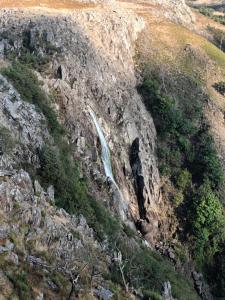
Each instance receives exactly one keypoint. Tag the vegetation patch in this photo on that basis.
(28, 85)
(220, 87)
(142, 268)
(71, 191)
(29, 53)
(6, 141)
(219, 37)
(58, 166)
(187, 155)
(210, 12)
(214, 53)
(21, 284)
(147, 269)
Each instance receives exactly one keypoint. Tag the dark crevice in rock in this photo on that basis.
(124, 170)
(136, 167)
(27, 40)
(59, 73)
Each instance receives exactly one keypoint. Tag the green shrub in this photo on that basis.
(188, 156)
(220, 87)
(27, 84)
(128, 231)
(178, 198)
(219, 19)
(208, 223)
(6, 141)
(206, 11)
(181, 253)
(184, 142)
(184, 180)
(20, 282)
(36, 62)
(209, 12)
(71, 191)
(147, 269)
(206, 163)
(118, 293)
(29, 54)
(152, 295)
(61, 282)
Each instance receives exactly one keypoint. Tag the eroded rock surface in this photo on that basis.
(95, 69)
(176, 10)
(27, 128)
(35, 233)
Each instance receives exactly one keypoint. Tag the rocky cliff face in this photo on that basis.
(27, 128)
(32, 226)
(177, 11)
(96, 70)
(93, 69)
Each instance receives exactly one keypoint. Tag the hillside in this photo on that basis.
(112, 151)
(207, 3)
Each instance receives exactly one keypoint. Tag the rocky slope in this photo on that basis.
(105, 82)
(207, 3)
(91, 66)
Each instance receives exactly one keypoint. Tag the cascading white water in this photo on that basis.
(107, 164)
(105, 149)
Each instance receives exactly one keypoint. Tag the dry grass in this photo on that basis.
(202, 22)
(56, 4)
(167, 43)
(173, 50)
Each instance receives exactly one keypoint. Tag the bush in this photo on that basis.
(184, 180)
(208, 223)
(209, 12)
(6, 141)
(220, 87)
(20, 282)
(152, 295)
(27, 84)
(188, 156)
(71, 191)
(128, 231)
(178, 198)
(29, 54)
(206, 11)
(206, 163)
(147, 269)
(184, 143)
(219, 19)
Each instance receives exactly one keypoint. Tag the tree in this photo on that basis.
(208, 222)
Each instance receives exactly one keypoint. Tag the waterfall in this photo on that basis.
(107, 164)
(105, 149)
